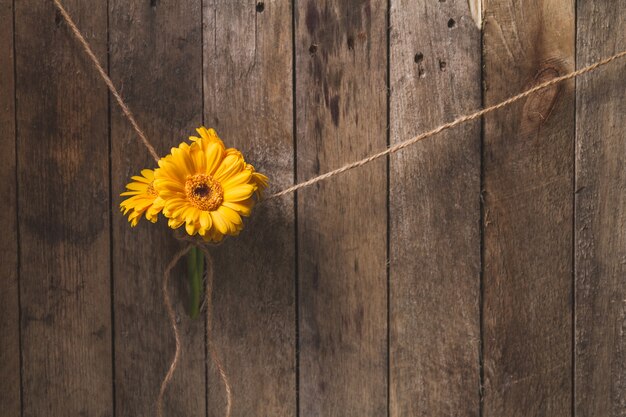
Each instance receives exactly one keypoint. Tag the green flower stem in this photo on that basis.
(195, 272)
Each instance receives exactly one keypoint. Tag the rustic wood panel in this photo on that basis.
(313, 277)
(156, 59)
(341, 101)
(600, 229)
(434, 212)
(63, 197)
(528, 210)
(248, 100)
(9, 287)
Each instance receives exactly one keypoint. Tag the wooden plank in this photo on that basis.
(248, 100)
(434, 212)
(9, 307)
(528, 210)
(63, 198)
(156, 59)
(341, 97)
(600, 388)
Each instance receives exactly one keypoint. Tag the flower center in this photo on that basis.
(204, 192)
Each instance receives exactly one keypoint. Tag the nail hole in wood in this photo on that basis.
(451, 23)
(260, 6)
(419, 57)
(350, 43)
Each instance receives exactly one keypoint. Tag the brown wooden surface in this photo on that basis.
(528, 210)
(386, 291)
(156, 60)
(434, 212)
(63, 195)
(248, 100)
(9, 297)
(341, 100)
(600, 228)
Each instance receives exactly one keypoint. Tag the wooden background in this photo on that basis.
(478, 273)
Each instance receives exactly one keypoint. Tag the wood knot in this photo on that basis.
(539, 105)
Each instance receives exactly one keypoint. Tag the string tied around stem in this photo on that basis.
(208, 295)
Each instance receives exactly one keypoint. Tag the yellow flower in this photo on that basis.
(144, 198)
(207, 187)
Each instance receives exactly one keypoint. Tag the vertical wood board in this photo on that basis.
(528, 209)
(63, 197)
(341, 102)
(9, 286)
(434, 211)
(600, 229)
(248, 100)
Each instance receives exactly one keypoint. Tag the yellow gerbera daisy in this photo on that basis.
(207, 187)
(144, 198)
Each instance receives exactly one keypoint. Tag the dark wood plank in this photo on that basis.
(156, 59)
(600, 387)
(434, 212)
(248, 100)
(341, 98)
(63, 166)
(528, 210)
(9, 308)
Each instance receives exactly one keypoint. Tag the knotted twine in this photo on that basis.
(347, 167)
(208, 292)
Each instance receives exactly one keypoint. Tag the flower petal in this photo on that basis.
(239, 193)
(219, 223)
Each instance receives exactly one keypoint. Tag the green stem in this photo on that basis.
(195, 271)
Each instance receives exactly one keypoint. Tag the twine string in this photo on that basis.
(352, 165)
(446, 126)
(209, 319)
(172, 316)
(208, 296)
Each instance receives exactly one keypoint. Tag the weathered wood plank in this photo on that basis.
(63, 168)
(248, 100)
(156, 59)
(434, 212)
(528, 210)
(600, 230)
(341, 58)
(9, 307)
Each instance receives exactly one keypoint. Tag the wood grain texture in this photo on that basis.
(248, 100)
(156, 60)
(600, 229)
(528, 210)
(434, 212)
(9, 288)
(64, 212)
(342, 223)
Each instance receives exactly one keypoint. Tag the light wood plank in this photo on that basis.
(600, 214)
(248, 100)
(528, 210)
(434, 212)
(156, 60)
(341, 98)
(63, 169)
